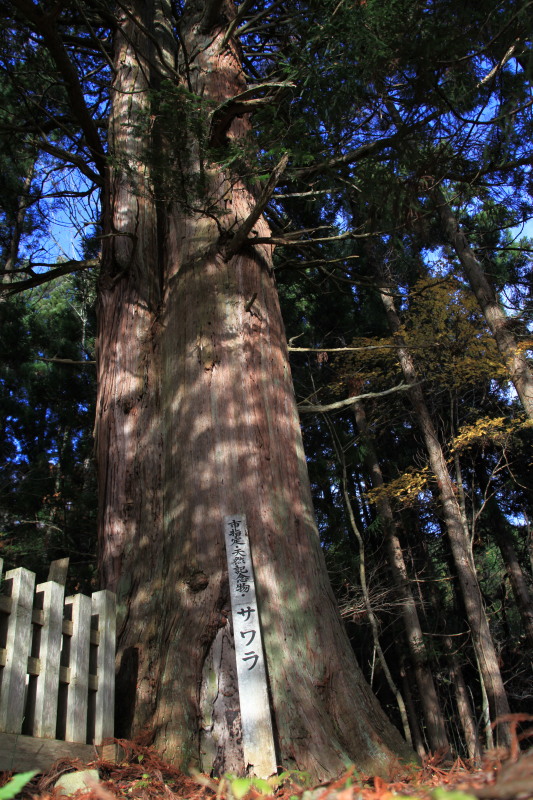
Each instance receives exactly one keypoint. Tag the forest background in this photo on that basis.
(392, 150)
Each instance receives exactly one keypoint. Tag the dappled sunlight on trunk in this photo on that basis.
(198, 420)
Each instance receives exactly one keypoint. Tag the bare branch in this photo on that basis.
(349, 157)
(314, 193)
(341, 349)
(70, 158)
(499, 65)
(308, 408)
(259, 16)
(284, 241)
(37, 280)
(67, 361)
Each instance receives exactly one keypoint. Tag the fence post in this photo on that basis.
(104, 604)
(78, 690)
(45, 714)
(58, 570)
(18, 642)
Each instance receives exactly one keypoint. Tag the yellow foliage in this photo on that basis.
(448, 336)
(487, 430)
(372, 367)
(404, 489)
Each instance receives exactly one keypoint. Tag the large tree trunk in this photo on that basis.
(197, 420)
(459, 545)
(436, 729)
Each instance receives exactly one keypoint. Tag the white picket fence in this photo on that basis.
(57, 660)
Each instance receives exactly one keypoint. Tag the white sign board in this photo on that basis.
(257, 737)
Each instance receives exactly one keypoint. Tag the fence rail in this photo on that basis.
(57, 659)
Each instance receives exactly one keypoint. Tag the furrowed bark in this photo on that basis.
(196, 420)
(129, 444)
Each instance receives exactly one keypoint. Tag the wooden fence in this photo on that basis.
(57, 668)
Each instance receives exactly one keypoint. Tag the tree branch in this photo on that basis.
(45, 26)
(308, 408)
(283, 241)
(37, 280)
(259, 16)
(241, 11)
(349, 157)
(500, 64)
(67, 361)
(342, 349)
(71, 158)
(243, 103)
(235, 244)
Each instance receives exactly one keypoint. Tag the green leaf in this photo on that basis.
(16, 784)
(443, 794)
(262, 785)
(240, 787)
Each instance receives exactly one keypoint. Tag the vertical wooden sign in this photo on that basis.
(257, 736)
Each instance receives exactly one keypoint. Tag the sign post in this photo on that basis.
(257, 736)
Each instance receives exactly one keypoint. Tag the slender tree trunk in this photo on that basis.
(436, 730)
(521, 592)
(460, 547)
(510, 350)
(502, 533)
(453, 646)
(364, 586)
(513, 356)
(416, 733)
(462, 699)
(485, 710)
(17, 227)
(197, 419)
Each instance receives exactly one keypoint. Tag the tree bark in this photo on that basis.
(462, 699)
(502, 534)
(416, 733)
(17, 226)
(513, 356)
(436, 730)
(196, 420)
(364, 586)
(459, 545)
(516, 575)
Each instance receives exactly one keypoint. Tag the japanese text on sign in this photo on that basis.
(257, 737)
